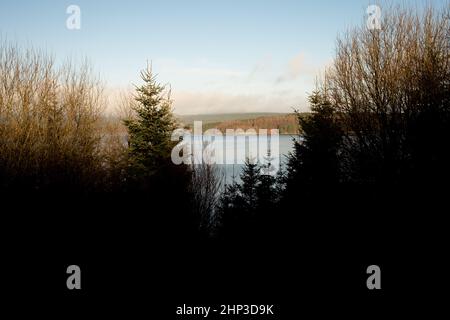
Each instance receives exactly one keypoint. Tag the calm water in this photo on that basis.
(224, 150)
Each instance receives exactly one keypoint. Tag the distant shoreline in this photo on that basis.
(286, 123)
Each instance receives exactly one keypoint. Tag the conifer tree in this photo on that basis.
(250, 178)
(314, 160)
(150, 131)
(266, 190)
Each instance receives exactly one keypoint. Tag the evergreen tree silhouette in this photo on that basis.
(314, 163)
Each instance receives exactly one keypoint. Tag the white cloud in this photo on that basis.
(211, 88)
(188, 102)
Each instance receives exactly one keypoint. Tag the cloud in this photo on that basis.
(302, 67)
(211, 88)
(201, 102)
(188, 102)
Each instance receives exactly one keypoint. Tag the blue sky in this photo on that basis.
(218, 56)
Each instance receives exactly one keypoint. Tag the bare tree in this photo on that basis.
(206, 185)
(383, 83)
(48, 118)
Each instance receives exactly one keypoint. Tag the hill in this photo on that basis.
(285, 122)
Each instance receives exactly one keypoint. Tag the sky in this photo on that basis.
(218, 56)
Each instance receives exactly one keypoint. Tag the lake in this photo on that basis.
(229, 154)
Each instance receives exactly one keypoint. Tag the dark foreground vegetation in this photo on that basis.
(366, 182)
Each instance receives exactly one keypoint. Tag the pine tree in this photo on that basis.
(315, 156)
(149, 133)
(250, 178)
(266, 190)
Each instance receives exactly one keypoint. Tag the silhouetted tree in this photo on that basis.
(379, 129)
(246, 207)
(250, 178)
(390, 89)
(229, 208)
(206, 183)
(267, 190)
(314, 163)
